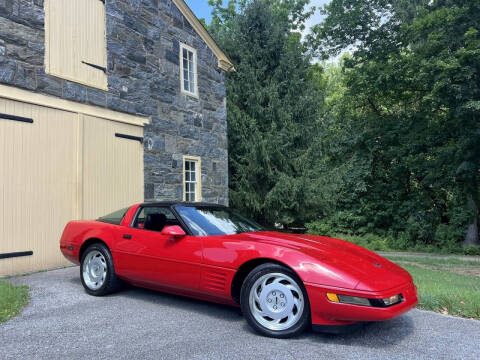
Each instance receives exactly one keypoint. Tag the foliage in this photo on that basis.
(387, 142)
(12, 300)
(272, 106)
(401, 141)
(471, 250)
(390, 242)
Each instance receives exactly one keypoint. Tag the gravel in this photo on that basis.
(62, 321)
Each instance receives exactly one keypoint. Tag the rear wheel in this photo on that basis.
(274, 301)
(97, 271)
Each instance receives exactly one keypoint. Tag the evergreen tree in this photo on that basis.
(272, 107)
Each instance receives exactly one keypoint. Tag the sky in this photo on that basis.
(202, 10)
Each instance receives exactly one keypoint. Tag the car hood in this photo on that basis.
(341, 263)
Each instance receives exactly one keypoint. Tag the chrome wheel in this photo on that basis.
(276, 301)
(94, 270)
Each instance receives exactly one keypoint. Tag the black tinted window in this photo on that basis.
(151, 210)
(114, 218)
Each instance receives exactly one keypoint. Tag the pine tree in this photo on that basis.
(272, 107)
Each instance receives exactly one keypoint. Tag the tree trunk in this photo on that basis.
(471, 238)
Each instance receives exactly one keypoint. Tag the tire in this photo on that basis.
(97, 271)
(275, 302)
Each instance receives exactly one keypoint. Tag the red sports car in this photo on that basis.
(283, 282)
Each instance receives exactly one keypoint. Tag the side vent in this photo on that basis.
(215, 280)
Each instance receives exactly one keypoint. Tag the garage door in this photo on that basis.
(113, 166)
(56, 166)
(37, 183)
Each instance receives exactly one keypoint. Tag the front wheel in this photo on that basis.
(274, 301)
(97, 271)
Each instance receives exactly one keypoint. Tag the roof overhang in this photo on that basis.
(224, 62)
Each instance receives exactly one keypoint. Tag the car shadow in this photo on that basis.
(372, 335)
(181, 302)
(376, 335)
(382, 334)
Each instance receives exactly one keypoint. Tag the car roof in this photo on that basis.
(183, 203)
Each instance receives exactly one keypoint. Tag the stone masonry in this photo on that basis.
(143, 79)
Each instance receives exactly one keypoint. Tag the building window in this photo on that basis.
(192, 179)
(75, 42)
(188, 70)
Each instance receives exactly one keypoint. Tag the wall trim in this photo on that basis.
(224, 62)
(13, 93)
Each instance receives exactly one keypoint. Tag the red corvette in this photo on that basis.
(283, 282)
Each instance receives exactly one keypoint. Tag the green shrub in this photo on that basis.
(401, 242)
(320, 228)
(448, 237)
(419, 235)
(471, 250)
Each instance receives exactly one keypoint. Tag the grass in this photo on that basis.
(442, 287)
(12, 300)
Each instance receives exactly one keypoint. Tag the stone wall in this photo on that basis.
(144, 79)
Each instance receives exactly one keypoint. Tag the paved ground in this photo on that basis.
(63, 322)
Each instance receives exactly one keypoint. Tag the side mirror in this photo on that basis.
(173, 230)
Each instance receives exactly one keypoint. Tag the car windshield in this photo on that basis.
(207, 221)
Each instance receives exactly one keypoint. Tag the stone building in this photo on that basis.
(103, 103)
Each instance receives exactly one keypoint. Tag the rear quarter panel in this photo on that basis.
(76, 233)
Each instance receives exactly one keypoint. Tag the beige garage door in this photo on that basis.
(112, 166)
(56, 166)
(37, 183)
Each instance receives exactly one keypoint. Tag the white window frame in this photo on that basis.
(198, 178)
(192, 50)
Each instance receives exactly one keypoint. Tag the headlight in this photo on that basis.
(355, 300)
(392, 300)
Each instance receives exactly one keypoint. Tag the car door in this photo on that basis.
(148, 257)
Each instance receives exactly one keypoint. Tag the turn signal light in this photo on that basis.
(332, 297)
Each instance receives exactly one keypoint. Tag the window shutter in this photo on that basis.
(75, 41)
(92, 44)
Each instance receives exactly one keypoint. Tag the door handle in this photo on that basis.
(127, 236)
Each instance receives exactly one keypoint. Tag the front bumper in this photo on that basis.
(325, 312)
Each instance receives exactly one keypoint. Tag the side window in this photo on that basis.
(192, 179)
(155, 218)
(188, 70)
(114, 218)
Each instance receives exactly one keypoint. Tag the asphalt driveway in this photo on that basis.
(62, 321)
